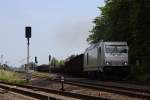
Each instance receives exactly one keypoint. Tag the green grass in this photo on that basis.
(11, 77)
(43, 75)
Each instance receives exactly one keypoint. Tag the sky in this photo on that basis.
(59, 28)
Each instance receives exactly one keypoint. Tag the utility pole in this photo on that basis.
(28, 36)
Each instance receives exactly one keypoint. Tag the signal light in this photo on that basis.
(49, 58)
(36, 60)
(28, 32)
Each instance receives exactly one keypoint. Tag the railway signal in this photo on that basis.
(49, 58)
(49, 63)
(36, 60)
(28, 36)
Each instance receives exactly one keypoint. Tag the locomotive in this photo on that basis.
(106, 59)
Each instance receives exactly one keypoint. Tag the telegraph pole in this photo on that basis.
(28, 36)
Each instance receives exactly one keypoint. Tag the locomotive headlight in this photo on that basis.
(108, 63)
(125, 63)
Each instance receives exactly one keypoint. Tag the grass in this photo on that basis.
(11, 77)
(44, 75)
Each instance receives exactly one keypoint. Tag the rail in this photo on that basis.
(128, 91)
(32, 91)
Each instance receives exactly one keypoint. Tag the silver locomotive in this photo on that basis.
(107, 57)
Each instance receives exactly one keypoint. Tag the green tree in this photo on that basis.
(126, 20)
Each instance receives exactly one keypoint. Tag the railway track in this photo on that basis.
(119, 88)
(134, 82)
(46, 93)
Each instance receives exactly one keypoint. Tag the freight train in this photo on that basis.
(101, 60)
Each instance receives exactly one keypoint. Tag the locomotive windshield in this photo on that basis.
(116, 49)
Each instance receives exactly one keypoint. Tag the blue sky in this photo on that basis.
(59, 28)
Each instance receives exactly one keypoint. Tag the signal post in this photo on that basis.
(28, 36)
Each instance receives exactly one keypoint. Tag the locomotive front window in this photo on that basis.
(115, 49)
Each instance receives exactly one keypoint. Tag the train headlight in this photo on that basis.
(108, 63)
(125, 63)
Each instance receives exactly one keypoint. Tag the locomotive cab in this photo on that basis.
(116, 57)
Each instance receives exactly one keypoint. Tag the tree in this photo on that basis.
(126, 20)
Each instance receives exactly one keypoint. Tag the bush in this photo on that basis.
(139, 73)
(11, 77)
